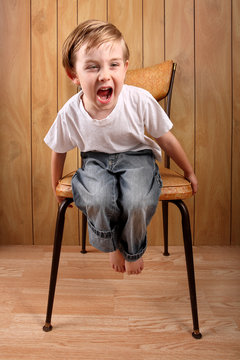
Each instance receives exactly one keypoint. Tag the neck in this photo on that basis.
(96, 113)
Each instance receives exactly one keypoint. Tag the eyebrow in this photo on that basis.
(117, 59)
(94, 60)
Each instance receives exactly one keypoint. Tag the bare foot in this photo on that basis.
(135, 267)
(117, 261)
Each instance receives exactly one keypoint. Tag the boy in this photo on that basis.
(119, 184)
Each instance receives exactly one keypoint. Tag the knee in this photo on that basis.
(132, 202)
(138, 203)
(100, 200)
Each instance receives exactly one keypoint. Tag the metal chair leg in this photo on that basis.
(189, 263)
(165, 226)
(84, 233)
(55, 260)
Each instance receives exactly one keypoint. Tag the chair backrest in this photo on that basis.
(158, 80)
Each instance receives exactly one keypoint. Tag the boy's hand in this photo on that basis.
(193, 180)
(60, 199)
(57, 164)
(173, 148)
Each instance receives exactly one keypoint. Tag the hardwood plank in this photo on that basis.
(67, 21)
(117, 315)
(15, 124)
(44, 110)
(236, 123)
(213, 121)
(127, 15)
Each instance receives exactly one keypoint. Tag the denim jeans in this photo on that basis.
(119, 194)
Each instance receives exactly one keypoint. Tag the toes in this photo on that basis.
(119, 268)
(133, 272)
(117, 261)
(134, 268)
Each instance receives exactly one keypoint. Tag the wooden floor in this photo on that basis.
(99, 314)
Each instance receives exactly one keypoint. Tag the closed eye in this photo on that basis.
(114, 64)
(92, 67)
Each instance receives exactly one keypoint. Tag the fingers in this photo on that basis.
(60, 199)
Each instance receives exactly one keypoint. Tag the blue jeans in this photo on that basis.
(119, 194)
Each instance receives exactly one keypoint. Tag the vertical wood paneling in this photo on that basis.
(127, 16)
(213, 121)
(34, 87)
(92, 9)
(153, 32)
(179, 37)
(236, 123)
(67, 21)
(15, 124)
(44, 109)
(153, 53)
(67, 16)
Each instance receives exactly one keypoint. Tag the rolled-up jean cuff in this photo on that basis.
(134, 257)
(102, 240)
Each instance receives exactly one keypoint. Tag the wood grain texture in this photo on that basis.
(153, 32)
(236, 123)
(99, 314)
(127, 16)
(44, 110)
(179, 25)
(67, 21)
(15, 124)
(213, 121)
(67, 13)
(92, 9)
(153, 53)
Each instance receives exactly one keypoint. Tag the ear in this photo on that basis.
(125, 68)
(73, 77)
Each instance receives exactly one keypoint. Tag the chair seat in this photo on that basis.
(175, 186)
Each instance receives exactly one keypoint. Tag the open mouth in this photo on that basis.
(104, 94)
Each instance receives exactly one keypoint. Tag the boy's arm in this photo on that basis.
(57, 164)
(172, 147)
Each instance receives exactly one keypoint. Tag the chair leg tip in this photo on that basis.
(196, 334)
(47, 327)
(83, 251)
(166, 253)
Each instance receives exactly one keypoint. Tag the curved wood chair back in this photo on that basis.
(155, 79)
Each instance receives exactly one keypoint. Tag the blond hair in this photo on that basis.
(93, 33)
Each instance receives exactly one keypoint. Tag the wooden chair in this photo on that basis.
(158, 80)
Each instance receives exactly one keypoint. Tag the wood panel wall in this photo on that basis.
(202, 37)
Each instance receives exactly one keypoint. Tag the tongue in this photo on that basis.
(104, 93)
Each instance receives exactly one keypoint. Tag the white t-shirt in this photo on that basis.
(122, 130)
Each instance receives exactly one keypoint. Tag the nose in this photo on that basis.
(104, 74)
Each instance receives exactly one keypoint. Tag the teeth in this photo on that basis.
(104, 93)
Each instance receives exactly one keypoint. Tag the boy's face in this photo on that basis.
(100, 72)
